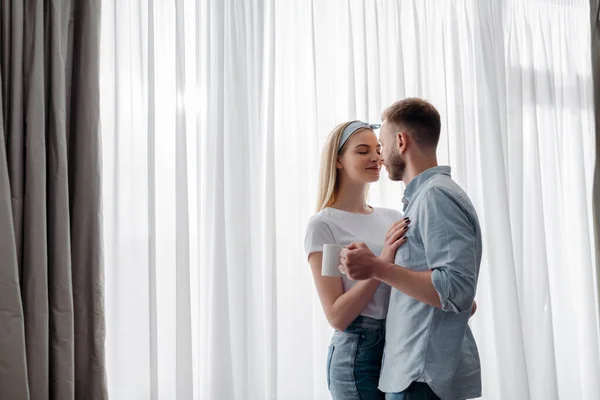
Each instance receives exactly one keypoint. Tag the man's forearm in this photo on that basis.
(416, 284)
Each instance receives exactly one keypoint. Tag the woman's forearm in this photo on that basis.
(350, 304)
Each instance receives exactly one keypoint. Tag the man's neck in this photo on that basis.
(415, 168)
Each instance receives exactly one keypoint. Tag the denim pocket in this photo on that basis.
(371, 339)
(329, 357)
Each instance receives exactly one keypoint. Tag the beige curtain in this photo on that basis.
(51, 274)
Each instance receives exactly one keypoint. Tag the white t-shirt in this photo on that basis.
(333, 226)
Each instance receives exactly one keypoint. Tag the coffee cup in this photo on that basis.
(331, 260)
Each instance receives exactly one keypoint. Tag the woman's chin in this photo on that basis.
(372, 178)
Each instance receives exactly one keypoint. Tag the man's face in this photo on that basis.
(392, 159)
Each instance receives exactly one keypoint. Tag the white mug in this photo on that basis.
(331, 260)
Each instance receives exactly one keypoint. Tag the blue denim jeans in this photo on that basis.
(416, 391)
(354, 360)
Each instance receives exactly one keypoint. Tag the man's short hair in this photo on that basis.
(417, 117)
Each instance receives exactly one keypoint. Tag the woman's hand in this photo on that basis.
(394, 238)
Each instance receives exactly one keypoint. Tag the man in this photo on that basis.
(430, 352)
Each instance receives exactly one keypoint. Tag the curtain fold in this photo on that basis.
(595, 55)
(52, 335)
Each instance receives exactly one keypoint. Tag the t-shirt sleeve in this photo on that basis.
(317, 234)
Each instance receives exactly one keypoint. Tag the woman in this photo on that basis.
(356, 310)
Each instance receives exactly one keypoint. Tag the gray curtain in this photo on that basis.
(595, 40)
(51, 274)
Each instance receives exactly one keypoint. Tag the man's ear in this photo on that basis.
(401, 141)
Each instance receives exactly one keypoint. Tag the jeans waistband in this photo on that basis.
(362, 323)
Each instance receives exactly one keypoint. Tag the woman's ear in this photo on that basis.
(338, 164)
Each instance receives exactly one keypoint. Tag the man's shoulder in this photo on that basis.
(442, 189)
(442, 185)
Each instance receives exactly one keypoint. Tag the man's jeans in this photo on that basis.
(416, 391)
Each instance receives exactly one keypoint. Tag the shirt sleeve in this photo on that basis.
(317, 234)
(450, 243)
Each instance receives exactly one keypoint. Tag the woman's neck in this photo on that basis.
(351, 198)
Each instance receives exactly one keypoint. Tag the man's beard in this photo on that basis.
(395, 166)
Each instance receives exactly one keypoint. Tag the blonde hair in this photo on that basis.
(328, 172)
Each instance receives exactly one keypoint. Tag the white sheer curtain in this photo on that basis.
(213, 115)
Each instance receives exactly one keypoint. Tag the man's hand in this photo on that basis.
(358, 262)
(473, 308)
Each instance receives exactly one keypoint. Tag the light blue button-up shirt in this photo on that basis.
(425, 343)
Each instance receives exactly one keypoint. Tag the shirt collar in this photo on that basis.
(424, 176)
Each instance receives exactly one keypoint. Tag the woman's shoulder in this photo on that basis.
(325, 220)
(318, 232)
(389, 212)
(317, 220)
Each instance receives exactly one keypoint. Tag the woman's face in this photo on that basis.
(361, 161)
